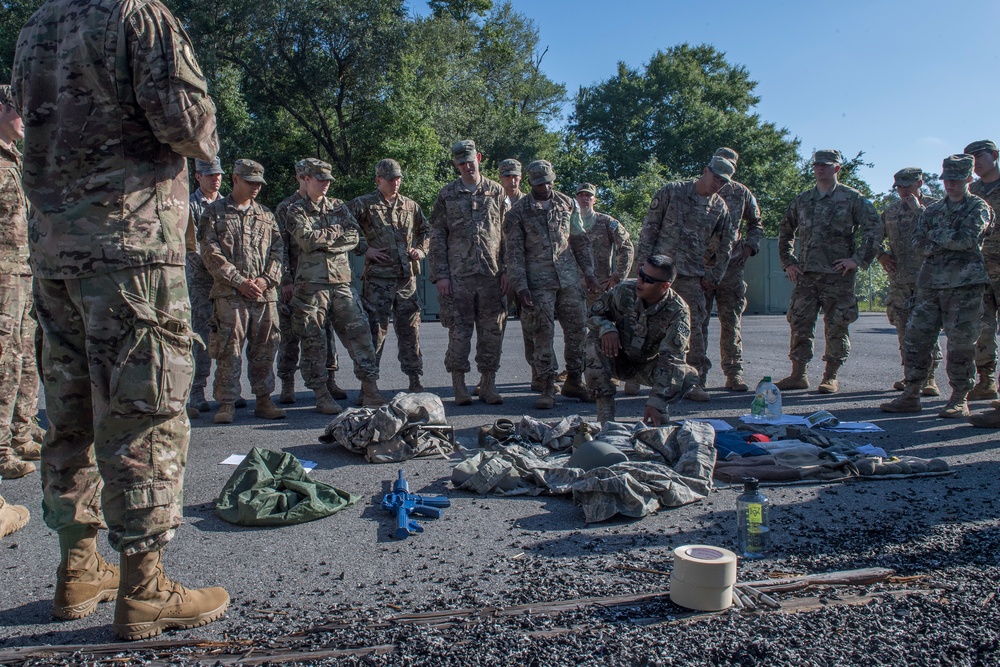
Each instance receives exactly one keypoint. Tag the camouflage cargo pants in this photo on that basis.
(18, 365)
(397, 297)
(316, 307)
(602, 370)
(200, 283)
(986, 343)
(730, 295)
(289, 344)
(475, 304)
(835, 294)
(117, 367)
(689, 288)
(959, 310)
(568, 305)
(898, 307)
(240, 323)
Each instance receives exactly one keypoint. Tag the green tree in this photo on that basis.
(460, 10)
(13, 15)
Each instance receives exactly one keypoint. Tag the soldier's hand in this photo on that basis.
(250, 290)
(261, 282)
(376, 255)
(592, 285)
(912, 201)
(505, 286)
(524, 298)
(415, 254)
(443, 287)
(888, 263)
(610, 283)
(845, 265)
(794, 272)
(611, 344)
(652, 416)
(286, 293)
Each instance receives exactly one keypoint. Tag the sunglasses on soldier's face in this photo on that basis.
(649, 280)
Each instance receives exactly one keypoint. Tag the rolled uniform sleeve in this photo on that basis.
(786, 235)
(755, 226)
(625, 250)
(274, 268)
(673, 377)
(869, 223)
(579, 241)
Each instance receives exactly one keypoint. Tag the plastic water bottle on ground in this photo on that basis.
(753, 534)
(767, 400)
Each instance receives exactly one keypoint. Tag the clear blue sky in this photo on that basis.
(908, 83)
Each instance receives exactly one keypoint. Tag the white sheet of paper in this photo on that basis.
(236, 459)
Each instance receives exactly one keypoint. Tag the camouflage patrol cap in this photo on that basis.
(300, 168)
(957, 167)
(828, 156)
(208, 168)
(510, 167)
(981, 145)
(540, 171)
(908, 176)
(250, 171)
(464, 151)
(729, 154)
(587, 187)
(388, 168)
(321, 171)
(722, 168)
(6, 96)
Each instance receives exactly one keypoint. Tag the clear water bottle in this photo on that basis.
(752, 530)
(766, 400)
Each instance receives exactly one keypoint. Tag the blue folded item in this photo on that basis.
(733, 444)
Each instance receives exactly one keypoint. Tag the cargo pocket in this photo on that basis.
(154, 370)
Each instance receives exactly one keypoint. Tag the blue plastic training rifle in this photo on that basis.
(404, 503)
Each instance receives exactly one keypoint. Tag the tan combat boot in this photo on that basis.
(333, 388)
(416, 386)
(192, 412)
(986, 388)
(266, 409)
(908, 402)
(12, 517)
(988, 419)
(226, 413)
(37, 432)
(797, 379)
(27, 451)
(930, 387)
(287, 395)
(829, 385)
(698, 394)
(488, 389)
(605, 409)
(370, 397)
(149, 602)
(574, 387)
(631, 389)
(461, 391)
(548, 398)
(326, 404)
(956, 407)
(83, 579)
(900, 385)
(11, 465)
(735, 382)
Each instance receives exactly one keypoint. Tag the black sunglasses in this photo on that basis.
(646, 278)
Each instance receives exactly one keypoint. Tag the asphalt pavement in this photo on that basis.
(294, 576)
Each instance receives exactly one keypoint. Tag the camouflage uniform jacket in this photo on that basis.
(324, 232)
(661, 331)
(290, 249)
(196, 206)
(110, 115)
(950, 238)
(826, 226)
(899, 222)
(682, 224)
(467, 230)
(991, 246)
(743, 207)
(546, 244)
(240, 245)
(395, 228)
(13, 215)
(606, 236)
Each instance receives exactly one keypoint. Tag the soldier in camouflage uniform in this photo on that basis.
(901, 261)
(950, 283)
(685, 219)
(827, 219)
(393, 241)
(18, 374)
(546, 249)
(105, 172)
(288, 345)
(987, 187)
(324, 231)
(242, 249)
(467, 268)
(731, 293)
(609, 240)
(208, 175)
(639, 331)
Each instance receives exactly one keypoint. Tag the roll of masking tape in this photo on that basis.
(703, 577)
